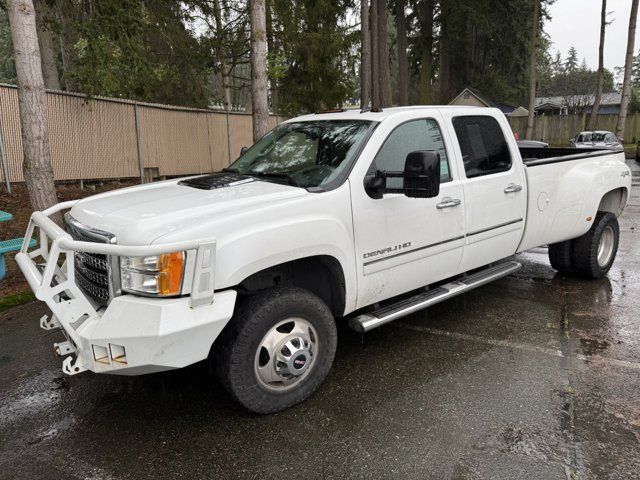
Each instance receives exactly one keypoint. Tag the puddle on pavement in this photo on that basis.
(35, 394)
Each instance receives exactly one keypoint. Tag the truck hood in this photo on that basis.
(140, 215)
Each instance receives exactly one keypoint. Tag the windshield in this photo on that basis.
(591, 137)
(305, 154)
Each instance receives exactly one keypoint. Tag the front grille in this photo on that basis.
(91, 269)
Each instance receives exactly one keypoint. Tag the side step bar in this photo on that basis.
(369, 321)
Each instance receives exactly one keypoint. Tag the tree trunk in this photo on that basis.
(38, 173)
(272, 49)
(445, 54)
(403, 64)
(66, 53)
(259, 82)
(47, 46)
(532, 67)
(375, 56)
(591, 125)
(628, 66)
(426, 67)
(383, 54)
(365, 59)
(224, 68)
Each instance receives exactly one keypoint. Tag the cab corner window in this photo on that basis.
(423, 134)
(483, 146)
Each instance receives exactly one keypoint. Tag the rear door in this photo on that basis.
(495, 188)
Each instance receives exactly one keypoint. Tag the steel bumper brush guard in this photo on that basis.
(125, 334)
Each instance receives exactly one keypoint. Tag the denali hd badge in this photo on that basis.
(384, 251)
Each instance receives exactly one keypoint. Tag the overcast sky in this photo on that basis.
(577, 23)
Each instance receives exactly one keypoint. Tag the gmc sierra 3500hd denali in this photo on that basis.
(370, 215)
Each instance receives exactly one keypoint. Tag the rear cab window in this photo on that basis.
(484, 148)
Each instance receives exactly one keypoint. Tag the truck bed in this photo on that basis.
(533, 156)
(564, 187)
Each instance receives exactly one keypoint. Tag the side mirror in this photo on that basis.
(422, 174)
(243, 150)
(420, 177)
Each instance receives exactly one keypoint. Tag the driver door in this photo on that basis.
(405, 243)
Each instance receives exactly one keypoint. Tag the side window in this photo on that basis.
(484, 148)
(415, 135)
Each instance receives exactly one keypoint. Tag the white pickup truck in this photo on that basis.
(358, 214)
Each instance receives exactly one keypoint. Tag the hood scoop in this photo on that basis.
(217, 180)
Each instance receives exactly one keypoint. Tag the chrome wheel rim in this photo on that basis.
(606, 245)
(286, 354)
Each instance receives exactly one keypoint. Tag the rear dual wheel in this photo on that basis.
(592, 254)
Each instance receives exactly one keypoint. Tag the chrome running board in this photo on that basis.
(369, 321)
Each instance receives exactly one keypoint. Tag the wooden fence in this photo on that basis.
(558, 129)
(102, 138)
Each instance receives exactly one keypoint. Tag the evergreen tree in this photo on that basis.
(7, 65)
(571, 63)
(635, 70)
(318, 53)
(583, 65)
(557, 66)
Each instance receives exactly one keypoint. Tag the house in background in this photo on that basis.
(472, 98)
(551, 106)
(563, 105)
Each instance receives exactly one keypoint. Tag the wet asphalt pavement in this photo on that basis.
(533, 376)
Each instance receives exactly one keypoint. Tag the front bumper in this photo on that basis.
(133, 335)
(137, 335)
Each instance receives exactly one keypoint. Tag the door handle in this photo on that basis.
(448, 202)
(513, 188)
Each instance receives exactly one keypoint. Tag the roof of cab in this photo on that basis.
(357, 114)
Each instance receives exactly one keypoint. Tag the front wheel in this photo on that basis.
(277, 349)
(593, 253)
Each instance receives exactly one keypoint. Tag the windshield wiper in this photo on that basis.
(231, 170)
(283, 176)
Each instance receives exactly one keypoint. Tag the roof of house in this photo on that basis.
(610, 98)
(505, 107)
(475, 93)
(551, 105)
(519, 112)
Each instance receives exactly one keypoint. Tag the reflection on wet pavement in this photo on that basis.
(534, 376)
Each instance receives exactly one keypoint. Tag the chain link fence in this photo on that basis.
(106, 138)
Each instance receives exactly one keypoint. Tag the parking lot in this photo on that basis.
(534, 376)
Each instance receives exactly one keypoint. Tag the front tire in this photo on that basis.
(593, 253)
(277, 349)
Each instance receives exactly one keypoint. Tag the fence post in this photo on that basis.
(5, 164)
(228, 141)
(138, 150)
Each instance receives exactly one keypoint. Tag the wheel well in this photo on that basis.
(614, 201)
(321, 275)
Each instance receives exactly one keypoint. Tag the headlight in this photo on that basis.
(159, 275)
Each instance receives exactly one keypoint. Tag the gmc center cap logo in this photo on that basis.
(299, 362)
